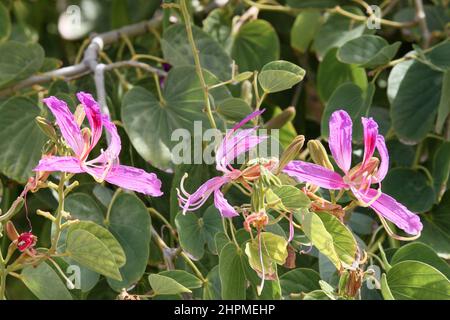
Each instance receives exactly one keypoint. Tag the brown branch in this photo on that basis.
(90, 58)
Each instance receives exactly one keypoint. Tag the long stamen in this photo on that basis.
(393, 234)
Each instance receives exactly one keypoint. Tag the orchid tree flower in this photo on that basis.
(359, 179)
(233, 144)
(82, 141)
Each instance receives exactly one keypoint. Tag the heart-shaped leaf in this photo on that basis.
(368, 51)
(255, 44)
(21, 140)
(163, 285)
(150, 123)
(280, 75)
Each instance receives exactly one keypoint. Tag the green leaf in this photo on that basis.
(332, 73)
(184, 104)
(417, 251)
(86, 249)
(414, 90)
(119, 14)
(299, 280)
(234, 109)
(18, 61)
(316, 295)
(255, 44)
(343, 240)
(436, 227)
(177, 51)
(336, 31)
(130, 223)
(104, 236)
(439, 56)
(218, 25)
(195, 231)
(441, 168)
(21, 139)
(272, 250)
(212, 288)
(5, 23)
(368, 51)
(184, 278)
(280, 75)
(420, 194)
(413, 280)
(304, 29)
(444, 103)
(45, 283)
(315, 230)
(290, 197)
(232, 272)
(162, 285)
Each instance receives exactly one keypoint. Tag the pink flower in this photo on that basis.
(234, 143)
(82, 141)
(360, 178)
(26, 241)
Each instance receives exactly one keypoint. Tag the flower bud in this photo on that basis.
(246, 91)
(47, 128)
(291, 152)
(280, 120)
(319, 154)
(11, 231)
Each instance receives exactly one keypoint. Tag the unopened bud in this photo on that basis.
(79, 115)
(280, 120)
(319, 154)
(246, 91)
(291, 152)
(47, 128)
(11, 231)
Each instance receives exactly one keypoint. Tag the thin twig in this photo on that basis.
(422, 20)
(90, 58)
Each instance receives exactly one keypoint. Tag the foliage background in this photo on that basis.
(400, 77)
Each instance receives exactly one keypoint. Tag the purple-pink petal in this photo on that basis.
(63, 164)
(370, 128)
(384, 158)
(94, 116)
(393, 211)
(225, 209)
(135, 179)
(340, 139)
(251, 116)
(235, 145)
(314, 174)
(112, 152)
(192, 202)
(66, 123)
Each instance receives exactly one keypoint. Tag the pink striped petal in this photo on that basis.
(225, 209)
(111, 154)
(370, 138)
(135, 179)
(192, 202)
(393, 211)
(384, 158)
(251, 116)
(239, 143)
(66, 123)
(62, 164)
(340, 139)
(92, 110)
(314, 174)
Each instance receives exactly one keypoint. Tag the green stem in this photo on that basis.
(157, 214)
(59, 214)
(108, 212)
(198, 66)
(193, 266)
(3, 275)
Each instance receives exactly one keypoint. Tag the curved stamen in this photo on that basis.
(393, 234)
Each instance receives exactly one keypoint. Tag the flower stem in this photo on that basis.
(198, 66)
(59, 214)
(3, 275)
